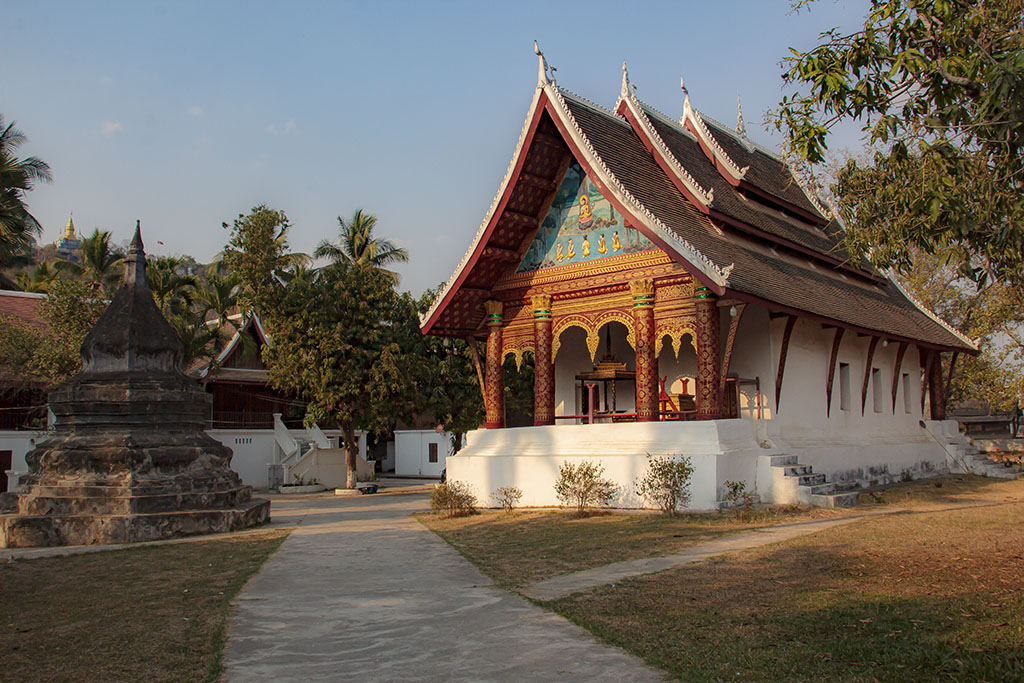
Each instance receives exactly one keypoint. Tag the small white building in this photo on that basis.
(421, 452)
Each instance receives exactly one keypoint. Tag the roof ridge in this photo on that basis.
(719, 275)
(27, 295)
(706, 196)
(588, 103)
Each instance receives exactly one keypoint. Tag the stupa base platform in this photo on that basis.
(44, 530)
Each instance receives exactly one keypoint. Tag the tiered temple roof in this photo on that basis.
(732, 213)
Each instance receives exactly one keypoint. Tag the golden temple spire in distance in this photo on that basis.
(69, 232)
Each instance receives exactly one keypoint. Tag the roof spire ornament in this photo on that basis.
(741, 127)
(624, 93)
(543, 69)
(686, 97)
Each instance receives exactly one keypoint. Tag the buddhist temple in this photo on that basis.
(684, 292)
(69, 242)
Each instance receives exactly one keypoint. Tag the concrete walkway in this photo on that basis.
(362, 591)
(567, 584)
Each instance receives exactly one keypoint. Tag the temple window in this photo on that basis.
(908, 401)
(877, 390)
(844, 386)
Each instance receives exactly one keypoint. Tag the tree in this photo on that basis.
(18, 227)
(51, 353)
(992, 313)
(43, 275)
(217, 294)
(257, 252)
(449, 390)
(101, 263)
(339, 342)
(937, 86)
(358, 246)
(172, 285)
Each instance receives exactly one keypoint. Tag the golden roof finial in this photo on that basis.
(69, 233)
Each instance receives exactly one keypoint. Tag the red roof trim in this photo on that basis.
(495, 217)
(637, 224)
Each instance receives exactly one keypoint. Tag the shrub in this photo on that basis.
(452, 499)
(508, 497)
(582, 486)
(741, 500)
(666, 483)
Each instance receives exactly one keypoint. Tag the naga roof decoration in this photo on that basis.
(751, 232)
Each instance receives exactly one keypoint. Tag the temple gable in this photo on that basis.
(580, 226)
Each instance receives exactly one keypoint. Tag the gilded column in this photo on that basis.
(494, 378)
(646, 360)
(544, 368)
(709, 363)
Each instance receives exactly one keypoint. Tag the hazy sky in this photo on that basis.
(185, 114)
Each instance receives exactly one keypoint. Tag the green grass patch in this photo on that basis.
(154, 613)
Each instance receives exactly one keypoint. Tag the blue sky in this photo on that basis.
(185, 114)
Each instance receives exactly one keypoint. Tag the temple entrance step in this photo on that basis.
(983, 465)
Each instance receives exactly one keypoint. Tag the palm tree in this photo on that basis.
(357, 245)
(100, 262)
(40, 280)
(171, 284)
(18, 227)
(218, 294)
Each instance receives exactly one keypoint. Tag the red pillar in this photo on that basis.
(709, 363)
(646, 360)
(544, 369)
(494, 379)
(936, 388)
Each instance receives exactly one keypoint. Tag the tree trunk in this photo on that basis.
(348, 435)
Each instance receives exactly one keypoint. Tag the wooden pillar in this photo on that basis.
(709, 396)
(495, 376)
(544, 368)
(646, 360)
(936, 388)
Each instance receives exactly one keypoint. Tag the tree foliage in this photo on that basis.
(257, 253)
(357, 245)
(340, 342)
(100, 263)
(992, 313)
(51, 353)
(18, 227)
(938, 86)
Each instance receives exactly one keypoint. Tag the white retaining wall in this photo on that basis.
(412, 451)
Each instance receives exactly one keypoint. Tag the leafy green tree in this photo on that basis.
(172, 285)
(937, 86)
(18, 227)
(51, 353)
(257, 253)
(992, 313)
(100, 264)
(40, 280)
(449, 391)
(217, 293)
(357, 245)
(339, 342)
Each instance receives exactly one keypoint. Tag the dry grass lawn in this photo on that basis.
(153, 613)
(934, 589)
(931, 593)
(532, 545)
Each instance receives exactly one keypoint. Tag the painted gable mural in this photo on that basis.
(581, 225)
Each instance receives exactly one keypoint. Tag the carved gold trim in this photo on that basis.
(573, 271)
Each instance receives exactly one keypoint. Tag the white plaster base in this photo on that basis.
(529, 458)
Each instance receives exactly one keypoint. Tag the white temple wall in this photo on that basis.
(848, 443)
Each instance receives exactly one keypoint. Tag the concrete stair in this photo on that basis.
(793, 482)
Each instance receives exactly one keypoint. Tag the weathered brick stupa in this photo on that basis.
(129, 460)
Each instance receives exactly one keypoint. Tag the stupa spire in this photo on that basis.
(132, 335)
(69, 231)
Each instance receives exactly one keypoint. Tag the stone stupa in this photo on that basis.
(129, 460)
